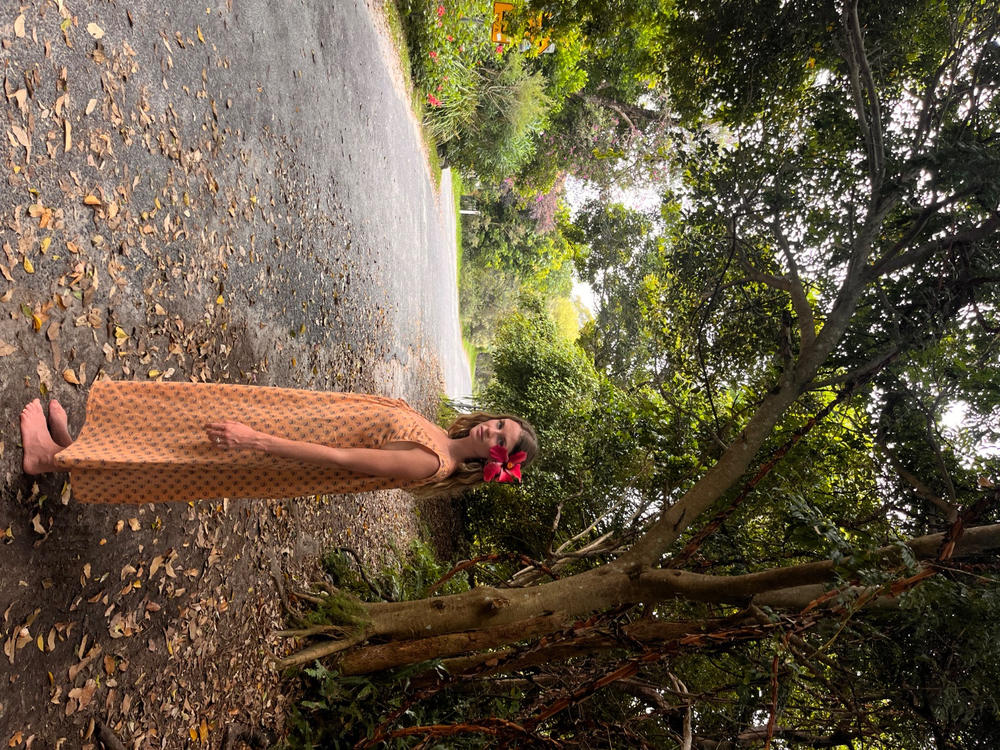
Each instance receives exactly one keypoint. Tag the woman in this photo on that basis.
(151, 442)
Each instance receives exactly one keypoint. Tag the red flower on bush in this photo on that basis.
(499, 49)
(440, 11)
(434, 101)
(502, 467)
(450, 38)
(433, 54)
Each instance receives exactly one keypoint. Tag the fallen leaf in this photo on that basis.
(92, 200)
(69, 137)
(45, 245)
(133, 523)
(5, 348)
(70, 377)
(29, 267)
(90, 106)
(44, 377)
(84, 694)
(95, 31)
(19, 33)
(21, 135)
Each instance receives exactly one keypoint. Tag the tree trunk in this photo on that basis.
(490, 618)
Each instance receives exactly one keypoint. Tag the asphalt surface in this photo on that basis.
(235, 193)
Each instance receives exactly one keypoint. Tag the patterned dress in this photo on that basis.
(146, 442)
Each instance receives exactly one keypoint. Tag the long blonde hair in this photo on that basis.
(470, 473)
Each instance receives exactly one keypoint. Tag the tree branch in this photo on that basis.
(925, 251)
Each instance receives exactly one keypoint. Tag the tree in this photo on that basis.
(834, 266)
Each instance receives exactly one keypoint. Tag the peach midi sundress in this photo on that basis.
(146, 442)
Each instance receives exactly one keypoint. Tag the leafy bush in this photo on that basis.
(336, 711)
(511, 107)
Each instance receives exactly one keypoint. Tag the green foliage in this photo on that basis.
(602, 448)
(407, 575)
(511, 107)
(337, 711)
(507, 260)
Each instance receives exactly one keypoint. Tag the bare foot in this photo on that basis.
(39, 448)
(59, 424)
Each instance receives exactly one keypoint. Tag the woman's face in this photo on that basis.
(505, 432)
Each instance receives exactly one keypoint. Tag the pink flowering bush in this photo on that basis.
(448, 40)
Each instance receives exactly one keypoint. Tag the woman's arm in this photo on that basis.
(407, 463)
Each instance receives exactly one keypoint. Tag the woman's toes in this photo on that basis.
(59, 424)
(39, 448)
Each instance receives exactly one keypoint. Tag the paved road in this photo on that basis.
(242, 197)
(318, 98)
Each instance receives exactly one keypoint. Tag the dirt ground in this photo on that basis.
(205, 193)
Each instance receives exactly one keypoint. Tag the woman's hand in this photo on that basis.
(232, 435)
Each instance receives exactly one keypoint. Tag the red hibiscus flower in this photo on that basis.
(434, 101)
(502, 467)
(433, 54)
(440, 11)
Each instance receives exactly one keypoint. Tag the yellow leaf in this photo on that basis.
(65, 23)
(220, 300)
(29, 267)
(153, 373)
(200, 37)
(193, 733)
(92, 200)
(70, 377)
(203, 731)
(40, 642)
(45, 244)
(95, 31)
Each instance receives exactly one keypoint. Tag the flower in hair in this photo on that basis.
(501, 467)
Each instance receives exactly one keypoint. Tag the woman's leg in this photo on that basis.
(39, 447)
(59, 424)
